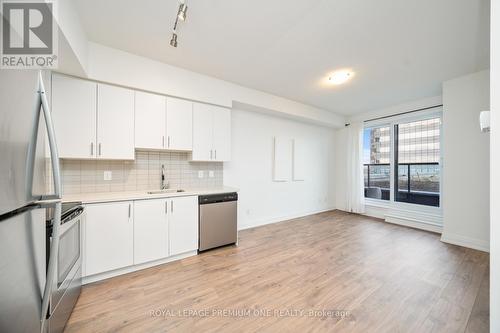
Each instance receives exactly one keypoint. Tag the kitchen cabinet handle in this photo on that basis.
(172, 206)
(163, 141)
(166, 207)
(91, 149)
(215, 154)
(99, 149)
(129, 209)
(168, 141)
(210, 153)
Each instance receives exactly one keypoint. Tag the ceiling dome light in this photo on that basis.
(182, 12)
(340, 76)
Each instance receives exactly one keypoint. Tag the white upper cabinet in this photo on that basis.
(211, 133)
(92, 120)
(150, 230)
(115, 123)
(100, 121)
(202, 132)
(222, 134)
(163, 122)
(179, 124)
(149, 121)
(74, 114)
(183, 225)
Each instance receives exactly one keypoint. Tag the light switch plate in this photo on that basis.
(108, 175)
(200, 174)
(211, 174)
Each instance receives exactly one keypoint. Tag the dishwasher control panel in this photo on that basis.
(214, 198)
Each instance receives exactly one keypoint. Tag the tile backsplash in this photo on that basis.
(144, 173)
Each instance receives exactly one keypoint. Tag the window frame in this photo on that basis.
(391, 122)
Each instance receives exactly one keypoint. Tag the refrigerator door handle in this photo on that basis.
(56, 172)
(42, 105)
(52, 266)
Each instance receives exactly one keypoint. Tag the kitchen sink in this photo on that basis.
(170, 190)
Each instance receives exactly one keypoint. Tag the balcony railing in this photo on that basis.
(416, 182)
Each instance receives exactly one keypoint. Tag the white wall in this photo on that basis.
(262, 201)
(72, 40)
(126, 69)
(495, 169)
(82, 58)
(465, 197)
(399, 108)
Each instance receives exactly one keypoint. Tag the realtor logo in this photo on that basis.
(29, 36)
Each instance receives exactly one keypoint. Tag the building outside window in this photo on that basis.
(377, 156)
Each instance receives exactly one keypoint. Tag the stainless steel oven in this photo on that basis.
(67, 284)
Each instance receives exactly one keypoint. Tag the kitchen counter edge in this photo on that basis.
(94, 198)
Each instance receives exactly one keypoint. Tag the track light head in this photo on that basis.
(173, 41)
(182, 11)
(181, 15)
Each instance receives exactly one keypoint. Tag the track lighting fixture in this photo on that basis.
(182, 11)
(181, 15)
(173, 41)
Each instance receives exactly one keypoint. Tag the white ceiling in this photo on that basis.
(401, 50)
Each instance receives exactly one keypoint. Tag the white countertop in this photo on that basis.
(88, 198)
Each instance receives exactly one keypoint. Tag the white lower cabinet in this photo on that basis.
(109, 237)
(183, 225)
(150, 230)
(123, 234)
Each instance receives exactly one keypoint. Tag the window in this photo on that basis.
(377, 168)
(412, 173)
(417, 155)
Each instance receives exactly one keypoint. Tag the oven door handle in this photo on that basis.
(52, 265)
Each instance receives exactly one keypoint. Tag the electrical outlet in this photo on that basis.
(108, 175)
(200, 174)
(211, 174)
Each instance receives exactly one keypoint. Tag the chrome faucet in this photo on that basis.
(164, 185)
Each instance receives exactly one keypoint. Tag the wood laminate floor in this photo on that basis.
(329, 272)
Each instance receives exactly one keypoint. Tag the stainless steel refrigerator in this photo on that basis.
(25, 280)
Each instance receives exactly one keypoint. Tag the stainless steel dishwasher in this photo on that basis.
(218, 220)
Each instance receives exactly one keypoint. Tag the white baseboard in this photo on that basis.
(413, 223)
(262, 222)
(377, 212)
(134, 268)
(473, 243)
